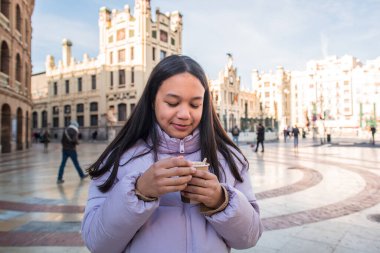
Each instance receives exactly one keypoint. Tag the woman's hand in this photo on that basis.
(167, 175)
(204, 187)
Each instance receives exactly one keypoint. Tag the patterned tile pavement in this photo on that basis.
(318, 199)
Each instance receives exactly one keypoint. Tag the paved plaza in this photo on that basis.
(323, 198)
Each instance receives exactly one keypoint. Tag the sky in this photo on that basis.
(260, 34)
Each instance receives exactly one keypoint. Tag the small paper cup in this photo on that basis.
(198, 166)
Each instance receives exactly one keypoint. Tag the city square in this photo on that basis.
(323, 198)
(301, 78)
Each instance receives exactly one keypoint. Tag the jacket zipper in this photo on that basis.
(181, 146)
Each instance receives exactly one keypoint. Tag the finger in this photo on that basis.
(173, 162)
(197, 190)
(205, 175)
(174, 181)
(199, 182)
(173, 188)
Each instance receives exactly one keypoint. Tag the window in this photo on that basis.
(132, 75)
(79, 84)
(172, 40)
(55, 110)
(132, 53)
(80, 120)
(93, 120)
(93, 107)
(55, 88)
(121, 77)
(55, 121)
(18, 68)
(121, 112)
(111, 77)
(120, 34)
(18, 18)
(44, 119)
(131, 33)
(93, 82)
(110, 39)
(121, 55)
(35, 120)
(162, 54)
(67, 120)
(163, 36)
(67, 86)
(154, 34)
(67, 109)
(154, 53)
(80, 108)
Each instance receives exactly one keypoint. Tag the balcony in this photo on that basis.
(4, 22)
(4, 79)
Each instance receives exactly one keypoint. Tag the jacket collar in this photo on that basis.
(169, 145)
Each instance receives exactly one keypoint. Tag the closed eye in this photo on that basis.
(172, 104)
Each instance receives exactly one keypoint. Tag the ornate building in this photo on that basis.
(15, 72)
(129, 47)
(233, 105)
(338, 94)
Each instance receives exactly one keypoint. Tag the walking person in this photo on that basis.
(45, 139)
(235, 134)
(285, 132)
(134, 202)
(69, 142)
(295, 134)
(373, 131)
(260, 137)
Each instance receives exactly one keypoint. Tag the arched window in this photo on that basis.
(26, 80)
(44, 119)
(4, 8)
(4, 64)
(26, 31)
(18, 68)
(121, 112)
(18, 18)
(34, 120)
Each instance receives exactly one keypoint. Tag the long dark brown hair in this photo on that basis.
(142, 121)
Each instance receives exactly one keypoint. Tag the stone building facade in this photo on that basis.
(130, 45)
(233, 105)
(336, 94)
(15, 72)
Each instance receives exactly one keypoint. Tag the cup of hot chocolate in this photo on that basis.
(203, 165)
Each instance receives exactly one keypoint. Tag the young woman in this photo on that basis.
(134, 202)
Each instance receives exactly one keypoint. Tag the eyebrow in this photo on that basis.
(178, 97)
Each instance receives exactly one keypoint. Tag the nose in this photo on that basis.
(183, 113)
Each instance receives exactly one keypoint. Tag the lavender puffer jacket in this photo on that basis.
(117, 221)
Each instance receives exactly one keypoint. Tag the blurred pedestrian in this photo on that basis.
(235, 134)
(285, 131)
(295, 134)
(69, 142)
(45, 139)
(94, 135)
(260, 137)
(373, 131)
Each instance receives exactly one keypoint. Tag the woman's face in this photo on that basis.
(179, 105)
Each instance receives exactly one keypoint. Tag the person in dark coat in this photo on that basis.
(69, 142)
(260, 137)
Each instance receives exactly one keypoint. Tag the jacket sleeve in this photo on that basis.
(111, 219)
(239, 223)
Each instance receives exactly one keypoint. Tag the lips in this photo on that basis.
(180, 127)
